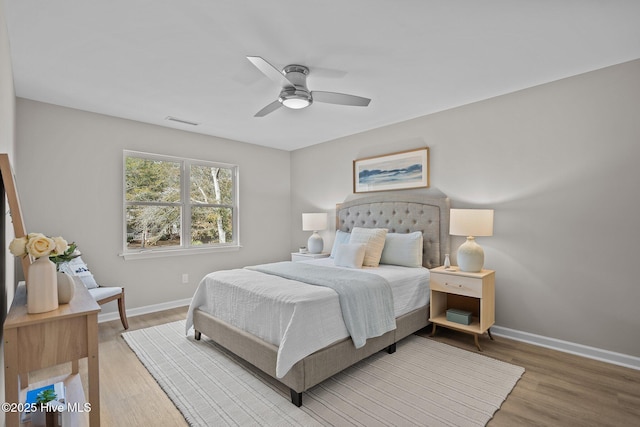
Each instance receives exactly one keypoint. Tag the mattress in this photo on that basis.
(296, 317)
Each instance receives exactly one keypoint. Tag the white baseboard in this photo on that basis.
(114, 315)
(569, 347)
(539, 340)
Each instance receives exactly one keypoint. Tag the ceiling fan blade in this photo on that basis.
(339, 98)
(268, 109)
(270, 71)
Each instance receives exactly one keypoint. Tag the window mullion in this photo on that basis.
(185, 233)
(141, 203)
(211, 205)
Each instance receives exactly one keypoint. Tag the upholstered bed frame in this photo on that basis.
(399, 212)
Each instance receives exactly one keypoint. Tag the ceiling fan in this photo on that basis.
(294, 93)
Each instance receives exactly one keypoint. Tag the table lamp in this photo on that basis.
(471, 223)
(314, 222)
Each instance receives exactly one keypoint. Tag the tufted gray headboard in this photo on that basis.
(401, 212)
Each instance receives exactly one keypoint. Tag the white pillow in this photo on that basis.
(341, 237)
(403, 249)
(374, 239)
(350, 255)
(77, 267)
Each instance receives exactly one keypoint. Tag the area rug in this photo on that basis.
(424, 383)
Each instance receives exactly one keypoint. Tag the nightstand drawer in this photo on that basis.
(458, 285)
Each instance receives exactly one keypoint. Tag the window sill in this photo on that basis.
(158, 253)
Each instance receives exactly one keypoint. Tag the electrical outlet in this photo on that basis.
(185, 278)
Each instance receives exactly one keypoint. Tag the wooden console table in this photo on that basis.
(36, 341)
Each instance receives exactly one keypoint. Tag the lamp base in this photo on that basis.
(470, 256)
(315, 243)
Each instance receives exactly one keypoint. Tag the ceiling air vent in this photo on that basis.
(184, 122)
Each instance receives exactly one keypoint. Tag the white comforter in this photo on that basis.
(298, 318)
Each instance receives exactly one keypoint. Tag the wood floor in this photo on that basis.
(557, 389)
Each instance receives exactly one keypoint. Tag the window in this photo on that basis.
(173, 204)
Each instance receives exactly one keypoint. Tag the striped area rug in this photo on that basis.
(424, 383)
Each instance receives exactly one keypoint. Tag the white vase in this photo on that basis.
(42, 286)
(66, 288)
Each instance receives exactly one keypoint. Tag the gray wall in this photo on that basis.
(69, 175)
(558, 163)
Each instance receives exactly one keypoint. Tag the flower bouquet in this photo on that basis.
(38, 245)
(42, 283)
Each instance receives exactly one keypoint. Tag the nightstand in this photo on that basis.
(472, 292)
(297, 256)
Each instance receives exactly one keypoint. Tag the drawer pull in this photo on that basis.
(454, 285)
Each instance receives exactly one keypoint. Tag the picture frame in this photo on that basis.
(395, 171)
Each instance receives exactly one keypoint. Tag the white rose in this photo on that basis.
(40, 245)
(18, 246)
(61, 245)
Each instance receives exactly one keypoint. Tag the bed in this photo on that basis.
(264, 345)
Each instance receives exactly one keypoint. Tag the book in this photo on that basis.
(32, 395)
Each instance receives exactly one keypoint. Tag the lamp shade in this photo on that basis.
(314, 221)
(471, 222)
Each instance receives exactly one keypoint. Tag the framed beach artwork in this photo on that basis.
(396, 171)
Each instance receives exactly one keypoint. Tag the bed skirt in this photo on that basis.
(314, 368)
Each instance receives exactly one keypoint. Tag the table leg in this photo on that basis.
(489, 332)
(475, 338)
(433, 331)
(11, 375)
(93, 369)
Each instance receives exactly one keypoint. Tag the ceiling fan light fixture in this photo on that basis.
(296, 103)
(295, 99)
(294, 93)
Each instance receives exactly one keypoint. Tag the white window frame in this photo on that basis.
(185, 247)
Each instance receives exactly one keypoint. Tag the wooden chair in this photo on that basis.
(106, 294)
(79, 271)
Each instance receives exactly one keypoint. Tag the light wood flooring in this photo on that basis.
(557, 389)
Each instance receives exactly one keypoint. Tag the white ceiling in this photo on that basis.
(145, 60)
